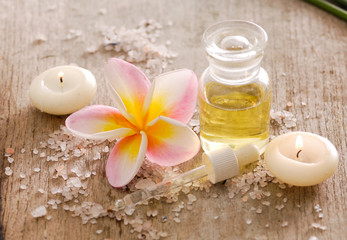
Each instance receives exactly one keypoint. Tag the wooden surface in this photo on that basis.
(306, 43)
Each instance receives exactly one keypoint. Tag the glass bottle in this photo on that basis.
(234, 91)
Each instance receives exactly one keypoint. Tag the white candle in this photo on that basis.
(62, 90)
(301, 158)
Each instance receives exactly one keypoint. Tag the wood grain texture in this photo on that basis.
(306, 43)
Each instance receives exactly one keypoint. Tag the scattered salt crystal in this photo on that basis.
(283, 74)
(191, 198)
(37, 169)
(303, 103)
(9, 150)
(318, 226)
(22, 175)
(279, 207)
(63, 146)
(98, 231)
(55, 190)
(248, 221)
(313, 238)
(87, 174)
(74, 182)
(285, 200)
(317, 208)
(35, 151)
(266, 203)
(40, 190)
(216, 217)
(177, 220)
(155, 213)
(320, 215)
(267, 225)
(39, 212)
(259, 210)
(97, 156)
(8, 171)
(10, 160)
(106, 149)
(49, 217)
(279, 194)
(289, 104)
(22, 150)
(23, 187)
(284, 224)
(93, 221)
(42, 155)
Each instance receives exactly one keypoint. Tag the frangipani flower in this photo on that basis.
(149, 120)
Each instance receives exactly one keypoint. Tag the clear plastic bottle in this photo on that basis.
(234, 91)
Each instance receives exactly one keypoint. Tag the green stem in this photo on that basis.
(337, 11)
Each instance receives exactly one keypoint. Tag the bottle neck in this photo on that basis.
(229, 70)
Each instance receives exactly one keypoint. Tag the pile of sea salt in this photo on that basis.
(138, 45)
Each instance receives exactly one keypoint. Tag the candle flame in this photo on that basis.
(299, 144)
(60, 74)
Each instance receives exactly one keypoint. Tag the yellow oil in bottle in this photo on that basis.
(234, 115)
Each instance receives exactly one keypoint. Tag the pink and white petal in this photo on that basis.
(125, 159)
(130, 83)
(120, 105)
(173, 95)
(99, 122)
(170, 142)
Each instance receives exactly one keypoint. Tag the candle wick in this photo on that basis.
(61, 80)
(297, 155)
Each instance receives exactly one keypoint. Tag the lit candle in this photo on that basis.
(301, 158)
(62, 90)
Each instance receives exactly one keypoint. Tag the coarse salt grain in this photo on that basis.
(106, 149)
(35, 151)
(8, 171)
(284, 224)
(23, 187)
(39, 212)
(318, 226)
(37, 170)
(10, 160)
(98, 231)
(177, 220)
